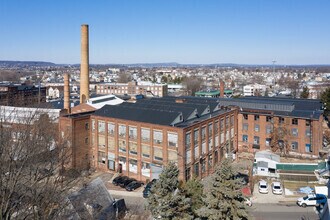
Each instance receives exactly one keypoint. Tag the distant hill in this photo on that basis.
(9, 63)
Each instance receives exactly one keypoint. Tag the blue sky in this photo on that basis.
(184, 31)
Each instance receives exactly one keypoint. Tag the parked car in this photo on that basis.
(263, 186)
(312, 200)
(147, 188)
(124, 183)
(133, 185)
(119, 179)
(277, 188)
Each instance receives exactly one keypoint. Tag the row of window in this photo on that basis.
(281, 131)
(172, 137)
(294, 121)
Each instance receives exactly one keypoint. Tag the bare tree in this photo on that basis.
(279, 139)
(124, 77)
(31, 158)
(193, 84)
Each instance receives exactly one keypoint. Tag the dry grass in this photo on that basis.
(295, 185)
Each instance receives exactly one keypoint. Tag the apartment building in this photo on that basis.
(132, 88)
(138, 139)
(21, 95)
(282, 124)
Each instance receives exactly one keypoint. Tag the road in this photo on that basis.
(281, 211)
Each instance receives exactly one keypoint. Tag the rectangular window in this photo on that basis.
(268, 141)
(308, 148)
(210, 144)
(111, 129)
(222, 124)
(158, 154)
(132, 133)
(294, 132)
(132, 148)
(187, 174)
(209, 161)
(196, 134)
(245, 138)
(256, 117)
(227, 122)
(145, 151)
(216, 141)
(269, 129)
(122, 146)
(295, 121)
(256, 140)
(245, 116)
(122, 161)
(145, 169)
(232, 120)
(256, 128)
(101, 157)
(280, 120)
(101, 126)
(172, 139)
(188, 140)
(188, 156)
(308, 132)
(203, 165)
(196, 169)
(216, 127)
(245, 126)
(203, 133)
(269, 119)
(101, 141)
(86, 126)
(132, 166)
(308, 122)
(93, 125)
(158, 137)
(294, 145)
(122, 131)
(222, 138)
(196, 152)
(203, 147)
(111, 144)
(145, 134)
(210, 129)
(172, 156)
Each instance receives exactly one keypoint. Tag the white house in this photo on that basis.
(265, 164)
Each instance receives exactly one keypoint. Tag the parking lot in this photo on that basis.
(267, 197)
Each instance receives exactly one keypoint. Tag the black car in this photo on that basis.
(147, 188)
(126, 182)
(133, 185)
(119, 179)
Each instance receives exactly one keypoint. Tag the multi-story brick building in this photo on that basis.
(296, 124)
(21, 95)
(132, 88)
(138, 139)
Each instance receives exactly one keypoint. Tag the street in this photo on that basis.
(282, 211)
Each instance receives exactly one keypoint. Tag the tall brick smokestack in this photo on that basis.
(67, 93)
(222, 88)
(84, 66)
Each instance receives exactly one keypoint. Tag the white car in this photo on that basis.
(312, 200)
(263, 186)
(277, 188)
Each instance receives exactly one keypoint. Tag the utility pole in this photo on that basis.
(274, 61)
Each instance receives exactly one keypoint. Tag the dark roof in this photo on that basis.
(163, 111)
(129, 111)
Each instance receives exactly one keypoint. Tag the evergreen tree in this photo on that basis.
(166, 200)
(325, 98)
(224, 198)
(193, 189)
(305, 93)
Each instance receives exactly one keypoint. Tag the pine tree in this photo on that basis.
(166, 200)
(193, 189)
(224, 198)
(305, 93)
(325, 98)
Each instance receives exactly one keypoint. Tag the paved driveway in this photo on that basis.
(266, 198)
